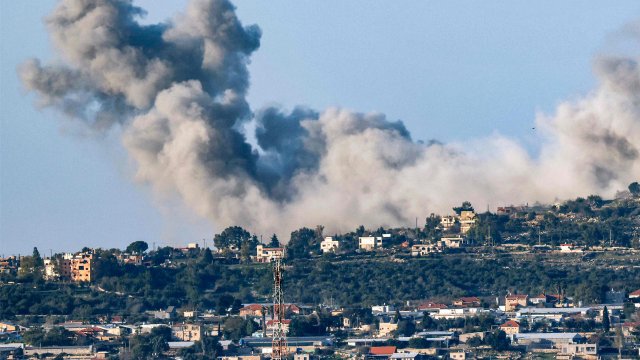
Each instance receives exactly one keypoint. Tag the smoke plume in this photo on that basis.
(177, 93)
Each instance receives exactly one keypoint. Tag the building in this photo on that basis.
(467, 220)
(50, 270)
(457, 355)
(447, 222)
(424, 249)
(190, 314)
(548, 340)
(78, 267)
(329, 245)
(6, 326)
(186, 332)
(467, 301)
(510, 327)
(515, 301)
(377, 352)
(252, 310)
(273, 324)
(265, 254)
(550, 313)
(167, 314)
(582, 351)
(452, 241)
(455, 313)
(66, 351)
(569, 248)
(386, 328)
(368, 243)
(378, 309)
(9, 265)
(431, 307)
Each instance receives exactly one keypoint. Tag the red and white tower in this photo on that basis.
(279, 341)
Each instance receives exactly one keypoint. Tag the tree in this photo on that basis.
(302, 243)
(231, 236)
(207, 348)
(37, 259)
(274, 243)
(634, 188)
(466, 206)
(418, 343)
(606, 322)
(406, 327)
(497, 340)
(137, 247)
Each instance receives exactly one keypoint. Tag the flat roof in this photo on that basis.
(546, 335)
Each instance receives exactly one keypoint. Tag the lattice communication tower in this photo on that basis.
(279, 341)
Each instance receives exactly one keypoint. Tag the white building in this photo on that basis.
(264, 254)
(329, 245)
(579, 350)
(446, 222)
(424, 249)
(368, 243)
(377, 309)
(50, 271)
(454, 313)
(453, 242)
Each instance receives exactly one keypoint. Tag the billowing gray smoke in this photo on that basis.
(176, 92)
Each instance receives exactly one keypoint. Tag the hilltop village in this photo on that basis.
(541, 281)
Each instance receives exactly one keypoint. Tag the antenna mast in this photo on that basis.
(279, 340)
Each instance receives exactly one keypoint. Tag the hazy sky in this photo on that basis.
(448, 69)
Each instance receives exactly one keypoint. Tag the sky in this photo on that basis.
(449, 70)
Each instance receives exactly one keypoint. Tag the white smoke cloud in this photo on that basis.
(178, 92)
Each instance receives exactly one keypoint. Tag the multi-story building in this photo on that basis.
(447, 222)
(50, 271)
(77, 267)
(515, 301)
(467, 220)
(264, 254)
(329, 245)
(9, 265)
(368, 243)
(187, 332)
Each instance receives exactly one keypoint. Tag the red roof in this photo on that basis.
(382, 350)
(271, 322)
(253, 307)
(635, 293)
(517, 296)
(431, 306)
(510, 323)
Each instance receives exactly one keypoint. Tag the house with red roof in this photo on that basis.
(635, 294)
(431, 307)
(472, 301)
(379, 352)
(510, 327)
